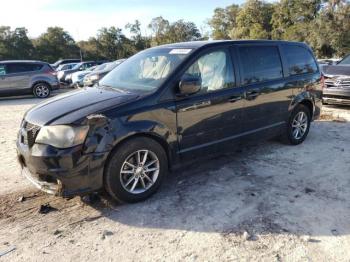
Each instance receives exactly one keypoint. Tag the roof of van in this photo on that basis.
(23, 61)
(198, 44)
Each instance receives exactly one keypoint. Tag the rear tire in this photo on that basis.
(298, 126)
(135, 170)
(41, 90)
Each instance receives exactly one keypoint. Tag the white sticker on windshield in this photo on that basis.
(180, 51)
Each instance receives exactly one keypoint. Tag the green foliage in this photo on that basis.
(109, 43)
(323, 24)
(55, 44)
(224, 21)
(15, 44)
(164, 32)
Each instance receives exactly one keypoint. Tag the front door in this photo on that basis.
(18, 76)
(214, 115)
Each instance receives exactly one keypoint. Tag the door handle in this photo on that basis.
(196, 106)
(233, 99)
(252, 94)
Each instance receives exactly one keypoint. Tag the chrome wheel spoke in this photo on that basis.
(130, 165)
(150, 169)
(147, 177)
(150, 163)
(139, 157)
(145, 158)
(134, 185)
(127, 172)
(143, 183)
(130, 180)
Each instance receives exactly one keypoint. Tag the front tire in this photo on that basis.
(298, 126)
(135, 170)
(41, 90)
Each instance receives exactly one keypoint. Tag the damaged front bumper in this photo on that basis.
(61, 172)
(53, 188)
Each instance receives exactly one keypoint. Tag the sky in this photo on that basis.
(83, 18)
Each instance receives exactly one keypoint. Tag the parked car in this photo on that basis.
(64, 61)
(165, 106)
(65, 76)
(66, 66)
(78, 77)
(27, 77)
(102, 70)
(337, 83)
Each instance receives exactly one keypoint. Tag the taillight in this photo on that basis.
(50, 72)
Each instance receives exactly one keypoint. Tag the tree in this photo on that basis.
(159, 27)
(54, 44)
(140, 42)
(253, 21)
(113, 44)
(15, 44)
(293, 19)
(179, 31)
(224, 21)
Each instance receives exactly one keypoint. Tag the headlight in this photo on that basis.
(94, 77)
(69, 77)
(60, 74)
(62, 136)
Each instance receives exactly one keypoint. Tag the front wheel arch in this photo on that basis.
(157, 139)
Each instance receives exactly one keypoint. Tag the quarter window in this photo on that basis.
(215, 71)
(260, 63)
(21, 68)
(300, 60)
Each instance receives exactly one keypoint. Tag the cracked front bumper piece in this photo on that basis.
(61, 172)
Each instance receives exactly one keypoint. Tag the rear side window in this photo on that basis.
(300, 60)
(2, 70)
(13, 68)
(260, 63)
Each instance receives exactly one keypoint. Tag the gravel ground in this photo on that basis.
(265, 202)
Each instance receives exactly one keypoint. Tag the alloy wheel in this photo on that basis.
(139, 171)
(42, 91)
(299, 125)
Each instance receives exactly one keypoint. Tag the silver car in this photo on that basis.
(27, 77)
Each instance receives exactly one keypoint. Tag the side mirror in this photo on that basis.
(189, 85)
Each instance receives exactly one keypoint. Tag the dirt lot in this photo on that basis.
(266, 202)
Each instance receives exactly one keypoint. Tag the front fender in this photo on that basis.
(105, 134)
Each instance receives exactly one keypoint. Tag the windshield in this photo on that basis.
(345, 61)
(146, 70)
(77, 66)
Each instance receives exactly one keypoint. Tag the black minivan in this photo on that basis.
(164, 106)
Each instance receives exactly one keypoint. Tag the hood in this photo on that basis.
(77, 74)
(100, 72)
(72, 106)
(337, 70)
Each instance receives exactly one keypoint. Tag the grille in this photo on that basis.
(338, 83)
(30, 131)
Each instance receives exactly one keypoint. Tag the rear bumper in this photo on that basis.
(55, 86)
(336, 96)
(61, 172)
